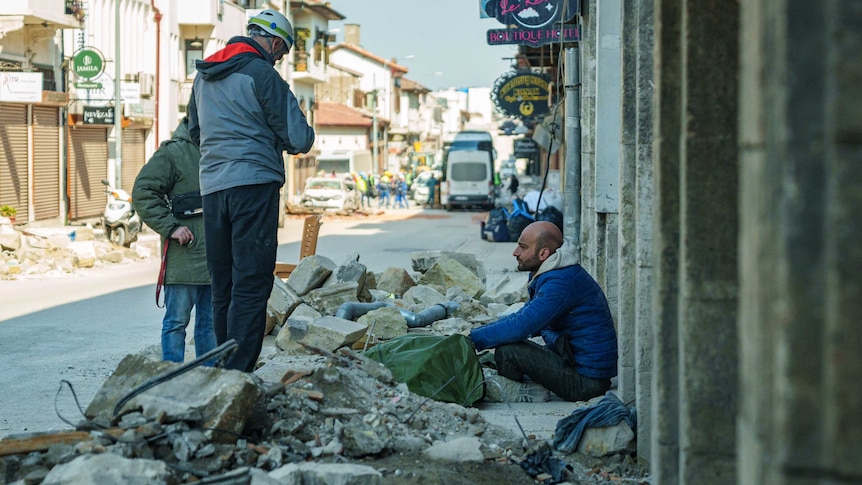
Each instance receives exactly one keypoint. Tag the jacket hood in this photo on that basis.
(238, 52)
(564, 257)
(182, 132)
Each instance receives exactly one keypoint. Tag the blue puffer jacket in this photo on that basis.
(243, 115)
(564, 301)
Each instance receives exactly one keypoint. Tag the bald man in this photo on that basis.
(568, 309)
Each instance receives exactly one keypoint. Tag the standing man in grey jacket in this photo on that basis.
(171, 176)
(243, 115)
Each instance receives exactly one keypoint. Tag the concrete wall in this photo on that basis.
(735, 256)
(800, 258)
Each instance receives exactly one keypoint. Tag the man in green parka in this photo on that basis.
(167, 197)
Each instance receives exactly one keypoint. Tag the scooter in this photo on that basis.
(119, 219)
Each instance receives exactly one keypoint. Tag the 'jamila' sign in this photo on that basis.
(535, 22)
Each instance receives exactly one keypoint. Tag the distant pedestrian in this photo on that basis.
(383, 192)
(166, 195)
(401, 194)
(431, 183)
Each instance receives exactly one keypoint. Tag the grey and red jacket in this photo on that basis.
(243, 115)
(565, 302)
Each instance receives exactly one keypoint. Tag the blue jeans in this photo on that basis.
(384, 199)
(179, 301)
(241, 227)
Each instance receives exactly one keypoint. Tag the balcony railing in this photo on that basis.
(183, 94)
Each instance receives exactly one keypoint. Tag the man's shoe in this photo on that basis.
(501, 389)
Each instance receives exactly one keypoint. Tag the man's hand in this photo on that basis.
(183, 235)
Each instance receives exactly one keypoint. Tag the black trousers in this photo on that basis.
(548, 368)
(241, 227)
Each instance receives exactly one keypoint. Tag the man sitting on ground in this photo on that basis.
(568, 309)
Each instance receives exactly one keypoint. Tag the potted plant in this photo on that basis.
(8, 211)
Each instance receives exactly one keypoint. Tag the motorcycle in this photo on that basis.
(119, 219)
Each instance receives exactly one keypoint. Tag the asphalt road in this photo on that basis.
(78, 328)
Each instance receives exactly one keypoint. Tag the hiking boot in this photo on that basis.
(501, 389)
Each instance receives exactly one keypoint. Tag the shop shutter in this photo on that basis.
(88, 165)
(46, 162)
(13, 159)
(134, 156)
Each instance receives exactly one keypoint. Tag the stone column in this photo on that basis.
(664, 419)
(801, 260)
(708, 242)
(644, 229)
(628, 215)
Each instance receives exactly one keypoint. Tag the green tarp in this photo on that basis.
(427, 362)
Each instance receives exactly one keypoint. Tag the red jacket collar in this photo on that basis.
(230, 51)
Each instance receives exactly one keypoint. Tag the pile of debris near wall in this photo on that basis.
(317, 400)
(316, 410)
(45, 252)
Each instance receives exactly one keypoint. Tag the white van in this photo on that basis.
(469, 179)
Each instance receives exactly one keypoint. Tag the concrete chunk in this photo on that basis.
(328, 299)
(328, 333)
(328, 473)
(282, 301)
(387, 323)
(457, 450)
(310, 273)
(395, 280)
(109, 469)
(214, 398)
(447, 272)
(606, 441)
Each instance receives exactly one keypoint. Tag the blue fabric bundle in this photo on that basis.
(607, 412)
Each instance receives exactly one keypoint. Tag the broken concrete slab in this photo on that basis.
(310, 273)
(384, 323)
(282, 301)
(447, 272)
(328, 333)
(506, 291)
(422, 261)
(607, 440)
(462, 449)
(328, 473)
(328, 299)
(109, 469)
(214, 398)
(422, 296)
(395, 280)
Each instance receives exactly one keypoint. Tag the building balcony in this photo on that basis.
(57, 14)
(309, 65)
(199, 12)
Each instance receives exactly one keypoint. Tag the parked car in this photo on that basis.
(331, 193)
(420, 186)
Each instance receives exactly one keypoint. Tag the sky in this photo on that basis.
(446, 39)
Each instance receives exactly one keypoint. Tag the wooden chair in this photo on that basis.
(308, 245)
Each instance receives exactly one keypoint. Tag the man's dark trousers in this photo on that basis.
(547, 368)
(241, 227)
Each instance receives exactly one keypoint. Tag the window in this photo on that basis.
(470, 172)
(194, 52)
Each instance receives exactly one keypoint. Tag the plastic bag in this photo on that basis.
(442, 368)
(551, 214)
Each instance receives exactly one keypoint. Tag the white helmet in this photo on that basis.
(274, 23)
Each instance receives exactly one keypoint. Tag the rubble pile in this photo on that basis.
(315, 410)
(37, 252)
(344, 412)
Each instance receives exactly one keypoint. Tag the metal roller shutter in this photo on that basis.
(134, 156)
(13, 159)
(88, 165)
(46, 162)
